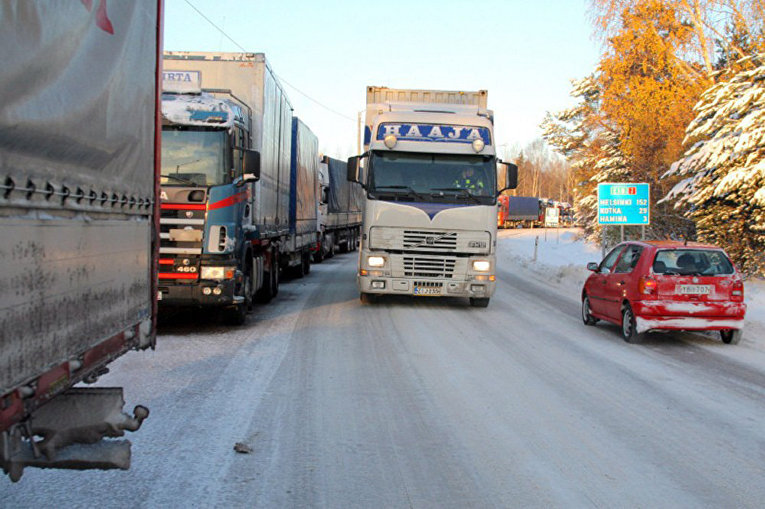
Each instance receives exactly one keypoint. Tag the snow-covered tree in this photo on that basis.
(723, 173)
(591, 146)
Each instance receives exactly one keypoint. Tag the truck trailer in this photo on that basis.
(429, 172)
(79, 138)
(303, 239)
(517, 211)
(226, 145)
(339, 209)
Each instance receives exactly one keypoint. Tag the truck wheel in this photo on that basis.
(318, 256)
(238, 314)
(307, 262)
(271, 281)
(479, 303)
(367, 298)
(731, 336)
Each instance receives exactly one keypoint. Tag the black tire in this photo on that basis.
(731, 336)
(271, 282)
(307, 262)
(479, 302)
(367, 298)
(587, 318)
(238, 314)
(629, 329)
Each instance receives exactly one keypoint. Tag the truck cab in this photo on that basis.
(206, 181)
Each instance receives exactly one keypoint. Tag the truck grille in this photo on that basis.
(430, 241)
(430, 266)
(414, 239)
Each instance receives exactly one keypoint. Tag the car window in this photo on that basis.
(608, 262)
(703, 262)
(629, 259)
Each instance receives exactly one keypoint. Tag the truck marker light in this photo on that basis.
(217, 290)
(375, 261)
(478, 145)
(364, 272)
(207, 290)
(390, 141)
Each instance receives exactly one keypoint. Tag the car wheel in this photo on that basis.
(731, 336)
(629, 329)
(587, 318)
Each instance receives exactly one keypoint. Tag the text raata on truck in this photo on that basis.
(429, 172)
(225, 181)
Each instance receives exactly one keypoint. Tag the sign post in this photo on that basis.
(624, 204)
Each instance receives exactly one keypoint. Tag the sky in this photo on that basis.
(525, 53)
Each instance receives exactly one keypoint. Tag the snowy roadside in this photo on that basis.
(561, 260)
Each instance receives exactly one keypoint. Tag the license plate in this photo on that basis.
(426, 290)
(694, 289)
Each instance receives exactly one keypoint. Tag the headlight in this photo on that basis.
(213, 273)
(481, 265)
(375, 261)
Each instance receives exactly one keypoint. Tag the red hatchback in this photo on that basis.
(665, 285)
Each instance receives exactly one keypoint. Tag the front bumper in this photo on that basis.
(473, 288)
(183, 295)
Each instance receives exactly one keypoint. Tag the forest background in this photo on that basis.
(677, 100)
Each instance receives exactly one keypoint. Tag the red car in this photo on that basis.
(665, 285)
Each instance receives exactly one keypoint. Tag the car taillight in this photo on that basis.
(737, 293)
(647, 286)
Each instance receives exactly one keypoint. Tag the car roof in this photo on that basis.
(673, 244)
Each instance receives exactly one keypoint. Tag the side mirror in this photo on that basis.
(510, 172)
(357, 173)
(251, 166)
(353, 168)
(593, 266)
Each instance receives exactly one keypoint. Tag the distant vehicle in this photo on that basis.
(665, 285)
(339, 209)
(520, 211)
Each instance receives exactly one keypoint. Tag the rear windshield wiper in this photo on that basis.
(460, 190)
(408, 189)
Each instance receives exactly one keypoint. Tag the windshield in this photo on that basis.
(697, 262)
(445, 178)
(193, 157)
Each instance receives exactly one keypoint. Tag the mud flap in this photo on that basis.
(68, 433)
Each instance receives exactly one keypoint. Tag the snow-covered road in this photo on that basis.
(428, 403)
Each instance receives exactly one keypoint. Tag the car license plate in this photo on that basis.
(694, 289)
(427, 290)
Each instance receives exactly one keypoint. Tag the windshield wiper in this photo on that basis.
(408, 189)
(180, 179)
(461, 191)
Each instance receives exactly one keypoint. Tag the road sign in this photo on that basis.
(624, 204)
(552, 215)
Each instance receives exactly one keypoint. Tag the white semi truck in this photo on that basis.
(429, 172)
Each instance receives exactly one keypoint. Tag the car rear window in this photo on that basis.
(683, 262)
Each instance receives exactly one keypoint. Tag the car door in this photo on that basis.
(596, 290)
(620, 280)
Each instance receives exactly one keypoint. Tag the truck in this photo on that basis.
(225, 179)
(78, 219)
(518, 211)
(303, 239)
(339, 209)
(429, 172)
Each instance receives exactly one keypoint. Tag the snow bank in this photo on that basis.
(561, 261)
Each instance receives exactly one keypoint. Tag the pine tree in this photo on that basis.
(723, 172)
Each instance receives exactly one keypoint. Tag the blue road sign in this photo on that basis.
(624, 204)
